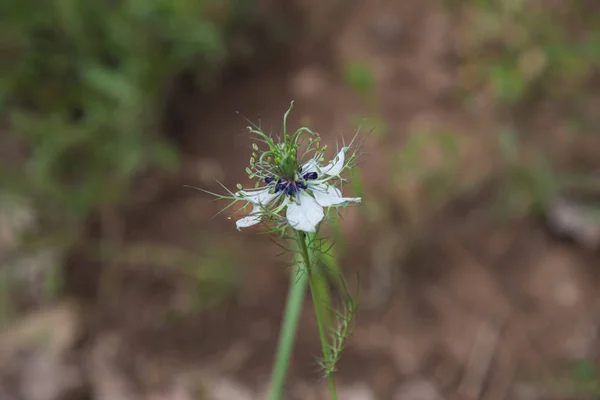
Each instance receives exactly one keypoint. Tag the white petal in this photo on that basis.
(247, 221)
(311, 165)
(251, 219)
(335, 166)
(261, 196)
(327, 195)
(305, 215)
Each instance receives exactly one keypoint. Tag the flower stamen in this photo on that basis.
(310, 176)
(291, 187)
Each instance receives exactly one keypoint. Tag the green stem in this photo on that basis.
(289, 327)
(318, 311)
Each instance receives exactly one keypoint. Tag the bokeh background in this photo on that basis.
(476, 243)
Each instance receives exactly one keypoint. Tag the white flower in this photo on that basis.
(303, 198)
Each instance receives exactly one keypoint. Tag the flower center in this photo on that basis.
(290, 186)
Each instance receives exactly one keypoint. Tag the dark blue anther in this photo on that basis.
(301, 184)
(279, 186)
(269, 179)
(310, 175)
(290, 189)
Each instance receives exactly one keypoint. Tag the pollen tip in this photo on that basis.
(311, 175)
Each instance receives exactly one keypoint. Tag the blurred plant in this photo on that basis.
(296, 188)
(359, 75)
(425, 171)
(520, 49)
(586, 377)
(528, 182)
(82, 86)
(82, 93)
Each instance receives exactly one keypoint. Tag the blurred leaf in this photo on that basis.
(545, 184)
(358, 183)
(448, 142)
(377, 125)
(111, 83)
(506, 83)
(411, 152)
(591, 47)
(584, 371)
(359, 75)
(53, 282)
(167, 156)
(508, 141)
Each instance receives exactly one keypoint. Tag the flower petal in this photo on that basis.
(305, 214)
(311, 165)
(336, 165)
(261, 196)
(327, 195)
(251, 219)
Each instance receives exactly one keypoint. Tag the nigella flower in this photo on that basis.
(294, 193)
(293, 189)
(303, 196)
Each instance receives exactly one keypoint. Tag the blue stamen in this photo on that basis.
(291, 188)
(279, 186)
(310, 176)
